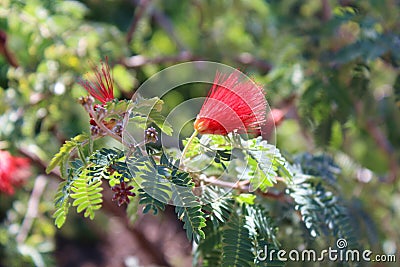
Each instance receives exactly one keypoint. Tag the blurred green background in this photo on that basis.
(332, 67)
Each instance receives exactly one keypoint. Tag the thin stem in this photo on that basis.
(33, 208)
(194, 134)
(99, 123)
(81, 154)
(139, 12)
(91, 141)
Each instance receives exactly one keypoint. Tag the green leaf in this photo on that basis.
(322, 212)
(156, 117)
(118, 106)
(246, 198)
(239, 241)
(155, 191)
(87, 194)
(264, 161)
(65, 150)
(151, 110)
(60, 214)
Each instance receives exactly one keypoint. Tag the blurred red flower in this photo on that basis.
(14, 171)
(233, 104)
(101, 85)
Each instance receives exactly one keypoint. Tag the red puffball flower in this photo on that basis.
(14, 171)
(233, 104)
(101, 85)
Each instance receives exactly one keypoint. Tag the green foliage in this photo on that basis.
(331, 66)
(87, 195)
(218, 208)
(117, 107)
(210, 248)
(63, 155)
(109, 164)
(152, 203)
(235, 231)
(264, 163)
(238, 239)
(323, 211)
(84, 181)
(193, 220)
(61, 199)
(154, 191)
(150, 112)
(188, 209)
(62, 204)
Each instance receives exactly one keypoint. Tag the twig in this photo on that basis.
(164, 22)
(4, 50)
(243, 186)
(250, 60)
(184, 56)
(326, 10)
(377, 135)
(234, 185)
(380, 139)
(281, 196)
(140, 10)
(140, 61)
(32, 209)
(40, 164)
(99, 123)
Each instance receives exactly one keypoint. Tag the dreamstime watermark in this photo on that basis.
(340, 253)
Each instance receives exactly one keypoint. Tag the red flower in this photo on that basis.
(14, 171)
(122, 192)
(232, 104)
(101, 85)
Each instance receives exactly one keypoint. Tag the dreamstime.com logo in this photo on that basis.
(341, 253)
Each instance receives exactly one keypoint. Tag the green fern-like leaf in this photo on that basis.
(108, 164)
(219, 208)
(60, 215)
(239, 241)
(266, 229)
(62, 156)
(193, 220)
(264, 163)
(62, 204)
(210, 248)
(150, 203)
(190, 214)
(155, 190)
(87, 195)
(323, 212)
(150, 110)
(187, 206)
(266, 235)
